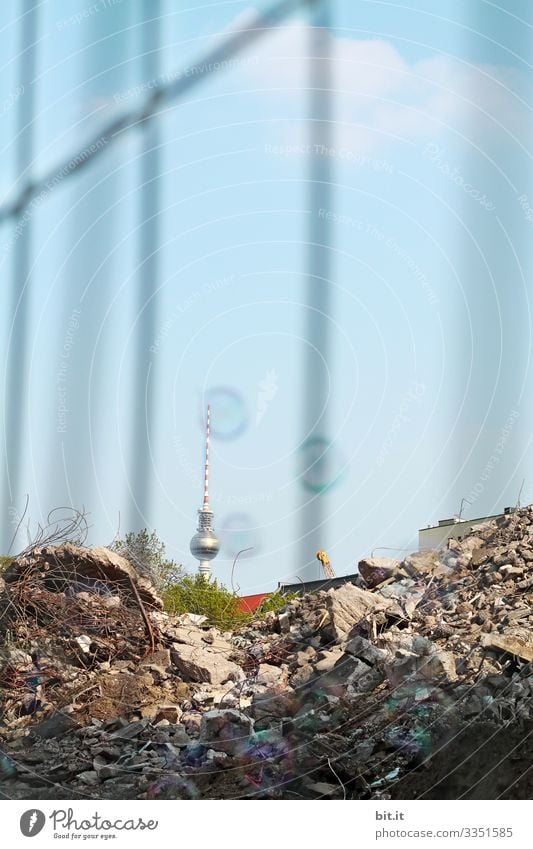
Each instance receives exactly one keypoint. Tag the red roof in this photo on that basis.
(250, 603)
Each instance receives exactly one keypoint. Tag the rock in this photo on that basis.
(284, 623)
(365, 650)
(302, 658)
(84, 642)
(479, 556)
(375, 570)
(226, 731)
(520, 646)
(198, 663)
(216, 758)
(277, 705)
(348, 606)
(86, 568)
(425, 562)
(128, 732)
(18, 659)
(180, 738)
(159, 658)
(441, 664)
(271, 675)
(364, 680)
(53, 726)
(302, 676)
(192, 721)
(108, 771)
(88, 777)
(327, 660)
(192, 619)
(157, 712)
(349, 668)
(170, 713)
(430, 667)
(112, 601)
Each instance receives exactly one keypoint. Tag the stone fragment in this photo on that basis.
(128, 732)
(327, 660)
(271, 675)
(18, 659)
(198, 663)
(159, 658)
(226, 731)
(365, 650)
(365, 681)
(84, 642)
(277, 705)
(284, 623)
(348, 606)
(302, 676)
(522, 647)
(88, 777)
(375, 570)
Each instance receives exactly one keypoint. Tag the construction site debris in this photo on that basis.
(374, 690)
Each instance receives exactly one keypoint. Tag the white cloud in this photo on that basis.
(381, 98)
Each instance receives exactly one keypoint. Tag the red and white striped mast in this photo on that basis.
(206, 473)
(204, 544)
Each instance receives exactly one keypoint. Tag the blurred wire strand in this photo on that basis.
(161, 94)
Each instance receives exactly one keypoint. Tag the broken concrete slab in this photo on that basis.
(198, 663)
(521, 647)
(226, 731)
(72, 567)
(375, 570)
(348, 606)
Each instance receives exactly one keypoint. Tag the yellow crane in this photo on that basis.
(323, 558)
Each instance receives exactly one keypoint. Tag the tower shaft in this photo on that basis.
(204, 544)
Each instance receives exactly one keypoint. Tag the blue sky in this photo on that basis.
(430, 266)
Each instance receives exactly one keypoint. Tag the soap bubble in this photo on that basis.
(7, 767)
(237, 531)
(228, 412)
(321, 464)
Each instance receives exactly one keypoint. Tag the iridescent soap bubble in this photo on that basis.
(7, 767)
(229, 418)
(321, 464)
(237, 531)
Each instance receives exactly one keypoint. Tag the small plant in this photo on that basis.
(273, 603)
(147, 553)
(5, 560)
(195, 594)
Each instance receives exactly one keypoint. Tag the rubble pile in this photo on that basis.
(413, 681)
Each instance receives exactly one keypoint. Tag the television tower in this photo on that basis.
(204, 544)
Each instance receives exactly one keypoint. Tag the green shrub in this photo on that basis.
(147, 554)
(4, 562)
(195, 594)
(273, 603)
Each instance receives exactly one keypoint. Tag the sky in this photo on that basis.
(428, 224)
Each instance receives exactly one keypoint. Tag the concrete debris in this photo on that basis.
(201, 664)
(371, 690)
(518, 645)
(375, 570)
(348, 606)
(226, 731)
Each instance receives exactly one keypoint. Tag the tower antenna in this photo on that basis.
(204, 544)
(206, 473)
